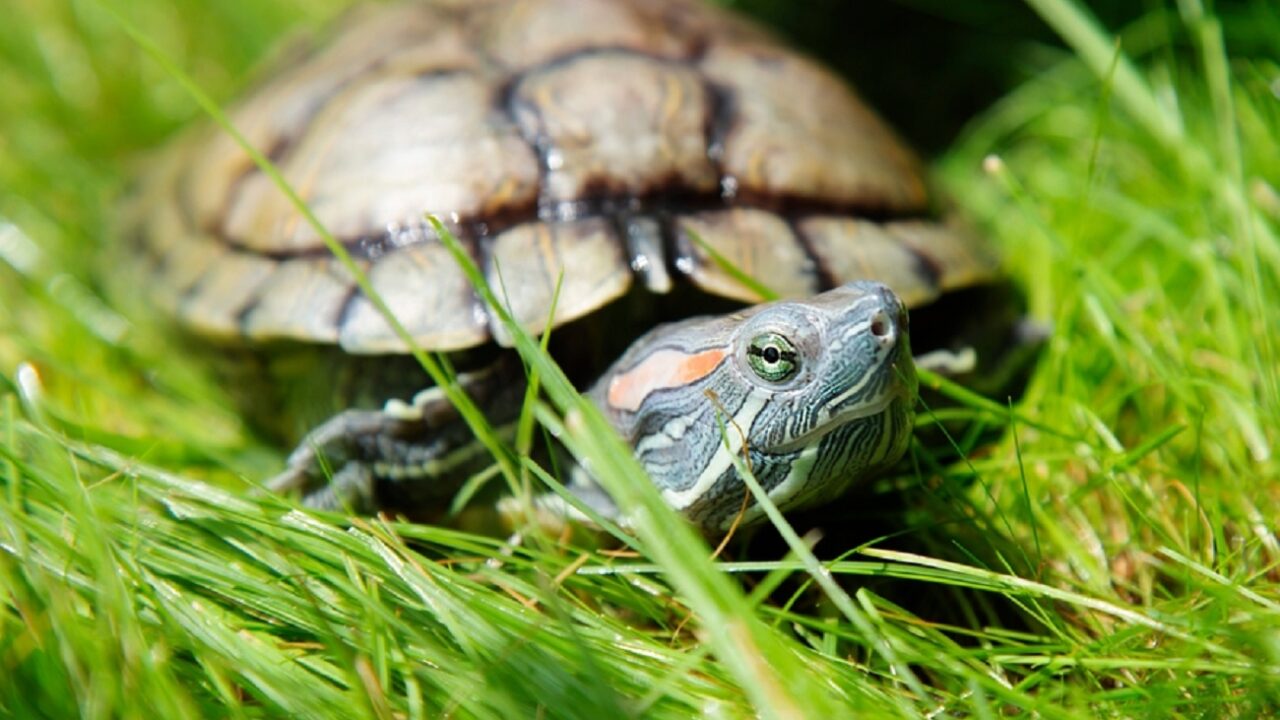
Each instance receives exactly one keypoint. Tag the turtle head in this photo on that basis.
(825, 362)
(816, 394)
(839, 386)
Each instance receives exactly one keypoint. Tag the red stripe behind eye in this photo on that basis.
(665, 368)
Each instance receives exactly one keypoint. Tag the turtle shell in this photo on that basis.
(609, 143)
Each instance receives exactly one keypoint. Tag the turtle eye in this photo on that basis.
(772, 357)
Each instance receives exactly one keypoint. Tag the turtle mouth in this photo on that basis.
(858, 412)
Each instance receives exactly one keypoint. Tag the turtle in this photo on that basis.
(640, 161)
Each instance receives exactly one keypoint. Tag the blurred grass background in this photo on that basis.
(1113, 554)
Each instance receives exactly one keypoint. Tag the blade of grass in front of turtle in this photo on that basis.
(434, 367)
(525, 425)
(765, 293)
(767, 668)
(529, 412)
(799, 549)
(545, 416)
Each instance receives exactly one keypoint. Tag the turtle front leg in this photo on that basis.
(406, 456)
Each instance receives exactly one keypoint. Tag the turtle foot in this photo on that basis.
(408, 456)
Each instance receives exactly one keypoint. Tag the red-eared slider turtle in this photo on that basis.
(635, 151)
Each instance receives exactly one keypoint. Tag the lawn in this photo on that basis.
(1106, 546)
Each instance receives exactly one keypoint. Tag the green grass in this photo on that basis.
(1113, 553)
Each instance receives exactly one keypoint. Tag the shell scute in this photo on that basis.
(652, 138)
(427, 292)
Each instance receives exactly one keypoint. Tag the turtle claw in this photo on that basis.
(287, 481)
(333, 466)
(349, 490)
